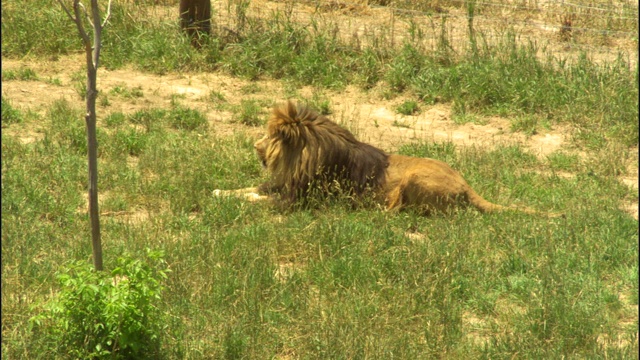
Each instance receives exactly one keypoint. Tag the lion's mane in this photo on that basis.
(306, 151)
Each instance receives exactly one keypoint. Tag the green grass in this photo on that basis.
(126, 92)
(254, 281)
(249, 112)
(408, 107)
(23, 74)
(10, 114)
(248, 280)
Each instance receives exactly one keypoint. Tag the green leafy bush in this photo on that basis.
(98, 315)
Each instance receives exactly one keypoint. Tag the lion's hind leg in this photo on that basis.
(394, 199)
(402, 195)
(421, 193)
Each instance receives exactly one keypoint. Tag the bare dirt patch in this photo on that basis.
(372, 118)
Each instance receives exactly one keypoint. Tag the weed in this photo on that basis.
(324, 107)
(175, 99)
(115, 119)
(525, 123)
(151, 119)
(408, 107)
(79, 82)
(103, 99)
(249, 113)
(468, 118)
(460, 113)
(68, 127)
(406, 66)
(126, 92)
(216, 97)
(54, 81)
(369, 66)
(564, 161)
(130, 141)
(401, 124)
(251, 88)
(183, 118)
(320, 103)
(10, 115)
(24, 74)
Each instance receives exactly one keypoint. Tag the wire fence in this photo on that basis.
(603, 29)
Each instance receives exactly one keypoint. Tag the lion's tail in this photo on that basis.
(486, 206)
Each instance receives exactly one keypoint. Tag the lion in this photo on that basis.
(305, 152)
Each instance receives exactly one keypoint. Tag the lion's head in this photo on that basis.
(304, 150)
(261, 148)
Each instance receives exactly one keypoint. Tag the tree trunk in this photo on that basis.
(195, 19)
(92, 55)
(92, 145)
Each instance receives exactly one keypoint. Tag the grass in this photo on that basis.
(253, 281)
(249, 112)
(10, 114)
(24, 74)
(250, 281)
(126, 92)
(408, 107)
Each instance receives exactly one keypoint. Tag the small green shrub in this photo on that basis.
(100, 315)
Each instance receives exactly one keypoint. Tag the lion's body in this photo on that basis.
(429, 185)
(304, 151)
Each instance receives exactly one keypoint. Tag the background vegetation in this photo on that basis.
(252, 281)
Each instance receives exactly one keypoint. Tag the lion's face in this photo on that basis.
(261, 148)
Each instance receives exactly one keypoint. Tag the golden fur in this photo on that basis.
(304, 151)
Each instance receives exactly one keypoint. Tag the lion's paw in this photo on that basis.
(218, 192)
(254, 197)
